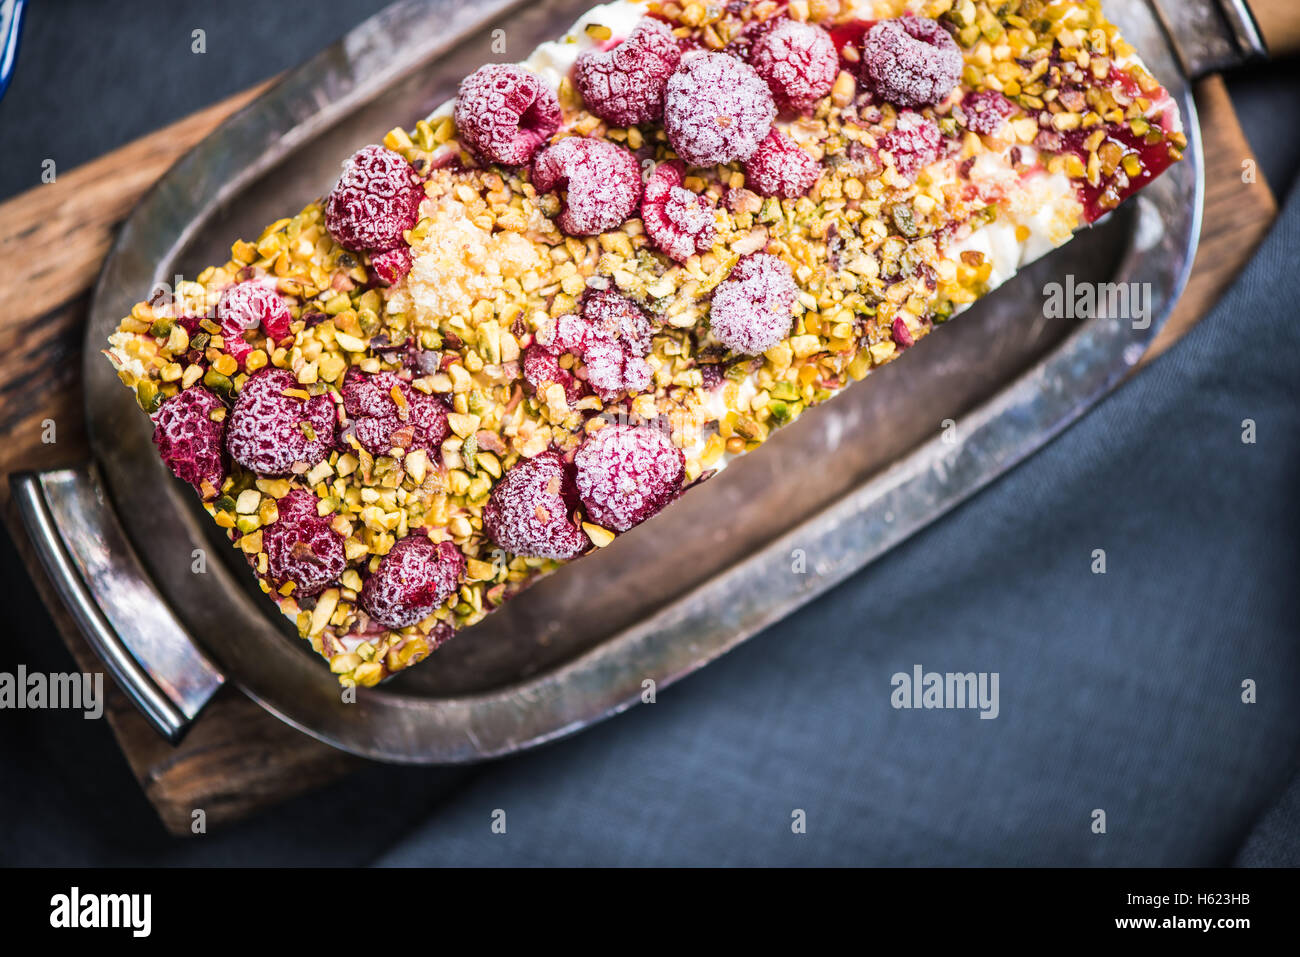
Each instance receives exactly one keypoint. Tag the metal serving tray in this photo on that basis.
(850, 480)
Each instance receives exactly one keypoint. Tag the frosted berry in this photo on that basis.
(246, 306)
(392, 266)
(914, 143)
(780, 168)
(387, 413)
(625, 85)
(542, 367)
(602, 183)
(613, 368)
(611, 336)
(798, 62)
(911, 61)
(271, 433)
(986, 110)
(751, 310)
(528, 513)
(716, 109)
(189, 441)
(627, 473)
(301, 547)
(506, 114)
(377, 197)
(680, 223)
(613, 315)
(412, 582)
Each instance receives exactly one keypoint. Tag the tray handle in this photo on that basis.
(86, 553)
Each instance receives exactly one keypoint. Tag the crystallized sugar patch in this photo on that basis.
(680, 223)
(780, 168)
(751, 310)
(911, 61)
(716, 109)
(380, 422)
(528, 513)
(301, 547)
(798, 61)
(602, 183)
(413, 580)
(627, 473)
(506, 114)
(625, 85)
(189, 441)
(270, 432)
(377, 197)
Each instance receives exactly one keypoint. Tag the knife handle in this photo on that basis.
(1279, 23)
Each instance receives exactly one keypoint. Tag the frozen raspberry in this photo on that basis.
(615, 316)
(413, 580)
(913, 142)
(505, 114)
(391, 267)
(270, 433)
(716, 109)
(781, 168)
(625, 85)
(381, 422)
(301, 547)
(542, 367)
(602, 183)
(377, 197)
(986, 110)
(627, 473)
(613, 368)
(189, 441)
(911, 61)
(678, 221)
(528, 513)
(798, 61)
(248, 305)
(751, 309)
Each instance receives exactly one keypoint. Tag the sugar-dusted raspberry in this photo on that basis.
(913, 142)
(189, 441)
(413, 580)
(249, 305)
(751, 310)
(602, 183)
(626, 473)
(911, 61)
(680, 223)
(270, 432)
(780, 168)
(392, 266)
(624, 85)
(716, 109)
(377, 197)
(301, 547)
(798, 61)
(986, 110)
(542, 367)
(388, 413)
(614, 315)
(528, 513)
(505, 114)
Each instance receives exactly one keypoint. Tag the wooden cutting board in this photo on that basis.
(237, 758)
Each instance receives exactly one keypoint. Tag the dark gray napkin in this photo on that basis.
(1120, 692)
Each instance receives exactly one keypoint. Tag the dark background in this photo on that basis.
(94, 75)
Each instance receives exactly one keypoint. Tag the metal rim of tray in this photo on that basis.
(692, 631)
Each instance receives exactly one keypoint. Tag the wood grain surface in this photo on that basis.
(237, 758)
